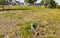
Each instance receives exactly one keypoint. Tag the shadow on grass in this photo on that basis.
(12, 9)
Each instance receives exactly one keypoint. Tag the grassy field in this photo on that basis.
(15, 22)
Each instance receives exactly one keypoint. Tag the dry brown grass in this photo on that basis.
(15, 23)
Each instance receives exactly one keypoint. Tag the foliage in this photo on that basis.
(26, 1)
(52, 4)
(45, 2)
(42, 2)
(30, 1)
(56, 5)
(2, 2)
(49, 3)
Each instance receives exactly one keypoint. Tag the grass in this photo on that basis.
(26, 30)
(18, 19)
(54, 29)
(49, 36)
(1, 36)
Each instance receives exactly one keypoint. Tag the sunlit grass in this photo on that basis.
(47, 19)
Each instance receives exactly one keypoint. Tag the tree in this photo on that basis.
(42, 2)
(30, 1)
(45, 2)
(52, 4)
(2, 2)
(27, 1)
(49, 3)
(57, 5)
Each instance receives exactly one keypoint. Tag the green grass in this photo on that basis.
(26, 30)
(49, 36)
(47, 20)
(1, 36)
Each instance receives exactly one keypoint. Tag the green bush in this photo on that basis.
(52, 4)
